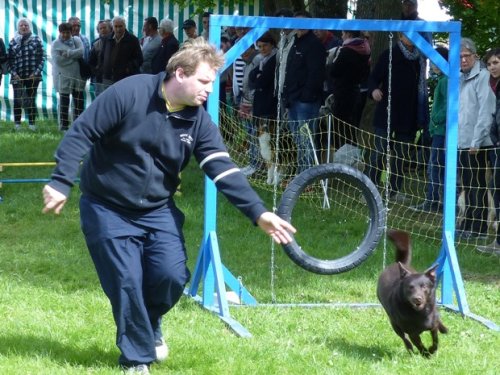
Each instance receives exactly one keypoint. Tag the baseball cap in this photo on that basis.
(188, 24)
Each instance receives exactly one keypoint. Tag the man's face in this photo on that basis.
(75, 27)
(320, 34)
(103, 29)
(119, 28)
(467, 60)
(195, 88)
(190, 32)
(301, 32)
(65, 35)
(265, 49)
(408, 8)
(23, 28)
(145, 29)
(204, 21)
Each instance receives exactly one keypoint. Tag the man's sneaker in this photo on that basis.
(161, 350)
(427, 206)
(492, 248)
(32, 128)
(17, 127)
(248, 170)
(139, 369)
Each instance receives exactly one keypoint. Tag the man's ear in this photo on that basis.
(179, 74)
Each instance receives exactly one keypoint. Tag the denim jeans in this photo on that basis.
(251, 126)
(435, 170)
(303, 124)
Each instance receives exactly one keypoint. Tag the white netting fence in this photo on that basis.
(276, 163)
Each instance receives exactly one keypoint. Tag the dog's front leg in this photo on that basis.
(415, 339)
(401, 334)
(435, 341)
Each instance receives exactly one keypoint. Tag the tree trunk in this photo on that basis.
(328, 8)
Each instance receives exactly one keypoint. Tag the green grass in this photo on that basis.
(55, 318)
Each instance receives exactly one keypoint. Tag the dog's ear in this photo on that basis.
(403, 271)
(431, 272)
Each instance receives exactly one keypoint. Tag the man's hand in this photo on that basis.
(53, 200)
(276, 227)
(377, 95)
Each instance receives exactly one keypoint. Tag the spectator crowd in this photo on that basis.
(294, 75)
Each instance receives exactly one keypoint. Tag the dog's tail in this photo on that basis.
(401, 241)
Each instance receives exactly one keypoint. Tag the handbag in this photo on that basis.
(85, 69)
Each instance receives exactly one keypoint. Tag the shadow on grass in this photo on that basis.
(369, 352)
(30, 346)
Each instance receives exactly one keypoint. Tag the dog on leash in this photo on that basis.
(409, 297)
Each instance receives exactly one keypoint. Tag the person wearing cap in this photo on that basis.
(189, 27)
(477, 104)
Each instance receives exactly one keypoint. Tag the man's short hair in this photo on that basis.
(283, 12)
(468, 44)
(192, 53)
(107, 22)
(187, 24)
(119, 19)
(65, 26)
(167, 25)
(152, 21)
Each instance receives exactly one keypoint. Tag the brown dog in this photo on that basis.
(409, 297)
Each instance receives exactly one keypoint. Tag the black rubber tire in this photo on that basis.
(375, 225)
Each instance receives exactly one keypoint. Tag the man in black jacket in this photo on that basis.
(121, 54)
(303, 91)
(169, 45)
(135, 139)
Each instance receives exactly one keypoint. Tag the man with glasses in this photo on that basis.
(477, 104)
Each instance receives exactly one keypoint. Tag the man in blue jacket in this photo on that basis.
(134, 140)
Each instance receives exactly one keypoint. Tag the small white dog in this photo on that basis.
(273, 172)
(460, 214)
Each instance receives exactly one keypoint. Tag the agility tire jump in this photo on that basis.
(330, 184)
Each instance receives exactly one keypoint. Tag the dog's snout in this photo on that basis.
(418, 300)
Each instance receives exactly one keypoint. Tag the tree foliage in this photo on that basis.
(480, 20)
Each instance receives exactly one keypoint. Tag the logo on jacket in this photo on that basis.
(186, 138)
